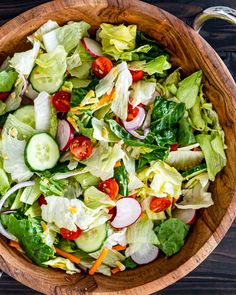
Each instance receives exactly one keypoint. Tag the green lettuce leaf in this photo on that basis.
(189, 88)
(213, 149)
(129, 263)
(29, 239)
(157, 65)
(165, 117)
(121, 177)
(64, 264)
(14, 99)
(86, 180)
(102, 131)
(93, 198)
(117, 38)
(134, 54)
(7, 80)
(50, 186)
(111, 257)
(4, 182)
(142, 92)
(185, 132)
(171, 234)
(23, 62)
(160, 153)
(139, 233)
(45, 28)
(103, 159)
(31, 194)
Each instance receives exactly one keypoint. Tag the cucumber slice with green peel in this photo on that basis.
(26, 115)
(92, 240)
(194, 171)
(45, 82)
(41, 152)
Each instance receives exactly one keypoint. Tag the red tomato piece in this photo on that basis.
(4, 95)
(132, 112)
(61, 101)
(174, 147)
(70, 235)
(81, 147)
(109, 187)
(42, 200)
(101, 66)
(159, 204)
(136, 75)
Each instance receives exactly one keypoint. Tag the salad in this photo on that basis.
(106, 150)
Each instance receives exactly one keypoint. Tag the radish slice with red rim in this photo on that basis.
(65, 133)
(92, 46)
(128, 211)
(188, 216)
(146, 254)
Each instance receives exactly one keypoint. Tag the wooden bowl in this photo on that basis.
(189, 51)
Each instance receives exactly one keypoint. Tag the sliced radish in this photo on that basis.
(65, 133)
(128, 211)
(146, 254)
(92, 46)
(188, 216)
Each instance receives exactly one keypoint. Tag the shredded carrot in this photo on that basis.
(99, 261)
(118, 164)
(115, 270)
(15, 244)
(72, 122)
(67, 255)
(119, 248)
(107, 97)
(142, 215)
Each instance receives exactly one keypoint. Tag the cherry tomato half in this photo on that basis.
(136, 75)
(61, 101)
(101, 66)
(109, 187)
(174, 147)
(42, 200)
(70, 235)
(159, 204)
(4, 95)
(132, 112)
(81, 147)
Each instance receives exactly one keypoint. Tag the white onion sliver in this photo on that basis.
(147, 121)
(137, 121)
(135, 134)
(25, 85)
(189, 147)
(59, 176)
(4, 198)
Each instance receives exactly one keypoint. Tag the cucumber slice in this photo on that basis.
(41, 152)
(26, 115)
(44, 82)
(93, 239)
(194, 171)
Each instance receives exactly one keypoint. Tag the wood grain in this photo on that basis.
(184, 45)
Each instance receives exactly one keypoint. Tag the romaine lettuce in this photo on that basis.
(7, 80)
(157, 65)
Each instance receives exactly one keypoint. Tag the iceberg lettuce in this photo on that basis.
(23, 62)
(157, 65)
(117, 38)
(102, 131)
(142, 92)
(103, 159)
(45, 28)
(14, 99)
(94, 198)
(64, 264)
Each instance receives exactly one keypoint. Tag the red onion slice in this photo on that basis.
(25, 84)
(137, 121)
(3, 200)
(8, 211)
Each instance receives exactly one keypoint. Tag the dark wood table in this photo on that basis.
(217, 274)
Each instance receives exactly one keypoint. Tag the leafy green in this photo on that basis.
(7, 80)
(189, 88)
(4, 182)
(157, 65)
(31, 194)
(142, 92)
(164, 120)
(88, 132)
(94, 198)
(23, 62)
(185, 133)
(196, 115)
(64, 264)
(29, 239)
(213, 149)
(102, 131)
(171, 234)
(86, 180)
(194, 171)
(160, 153)
(117, 38)
(121, 177)
(50, 186)
(129, 263)
(3, 118)
(67, 245)
(14, 99)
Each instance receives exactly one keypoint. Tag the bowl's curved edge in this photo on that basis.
(226, 222)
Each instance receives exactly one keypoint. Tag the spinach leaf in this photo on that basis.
(164, 121)
(156, 50)
(185, 133)
(129, 263)
(29, 239)
(159, 154)
(171, 234)
(121, 177)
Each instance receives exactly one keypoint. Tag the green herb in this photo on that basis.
(129, 263)
(121, 177)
